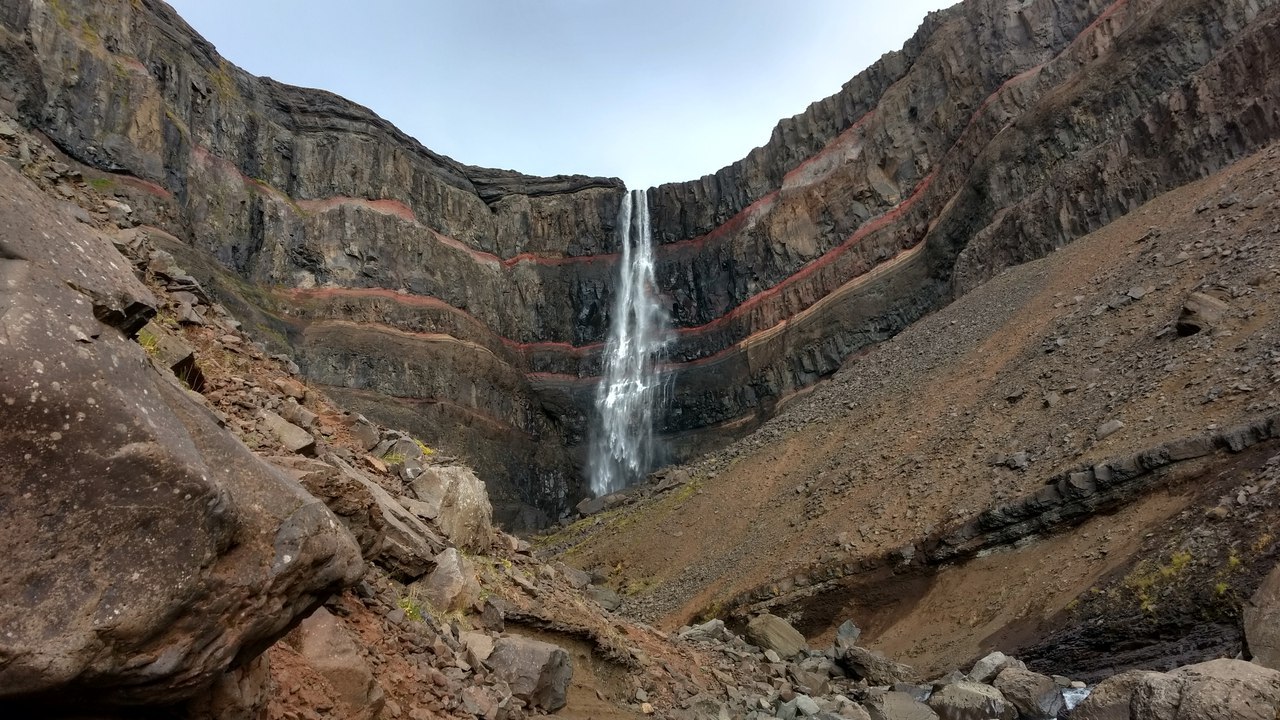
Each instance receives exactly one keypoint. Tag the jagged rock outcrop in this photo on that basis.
(148, 550)
(469, 305)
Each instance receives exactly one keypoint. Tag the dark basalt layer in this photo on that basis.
(455, 298)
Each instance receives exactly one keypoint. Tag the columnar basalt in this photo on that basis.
(471, 305)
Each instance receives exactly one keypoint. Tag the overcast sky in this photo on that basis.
(651, 91)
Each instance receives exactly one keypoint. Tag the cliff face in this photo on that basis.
(470, 305)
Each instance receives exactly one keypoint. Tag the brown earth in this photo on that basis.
(913, 436)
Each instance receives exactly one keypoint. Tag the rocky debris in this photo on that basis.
(326, 644)
(1262, 622)
(411, 543)
(965, 700)
(538, 672)
(773, 633)
(1214, 689)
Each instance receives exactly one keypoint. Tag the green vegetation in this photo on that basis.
(412, 609)
(102, 184)
(149, 341)
(394, 458)
(1149, 579)
(426, 451)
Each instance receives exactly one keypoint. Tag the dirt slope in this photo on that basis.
(977, 405)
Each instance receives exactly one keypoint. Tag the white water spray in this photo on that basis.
(623, 447)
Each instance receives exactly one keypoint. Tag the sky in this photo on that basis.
(650, 91)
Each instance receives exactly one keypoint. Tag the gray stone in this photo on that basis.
(463, 512)
(538, 673)
(1108, 428)
(1214, 690)
(297, 414)
(806, 706)
(605, 597)
(1035, 696)
(874, 667)
(1200, 312)
(986, 669)
(452, 583)
(365, 433)
(293, 438)
(847, 635)
(897, 706)
(971, 701)
(773, 633)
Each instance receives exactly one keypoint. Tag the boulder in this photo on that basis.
(773, 633)
(897, 706)
(461, 502)
(1262, 622)
(605, 597)
(293, 438)
(452, 585)
(874, 667)
(847, 635)
(148, 550)
(986, 669)
(572, 575)
(243, 693)
(971, 701)
(365, 433)
(329, 648)
(538, 673)
(1035, 696)
(1214, 690)
(1200, 312)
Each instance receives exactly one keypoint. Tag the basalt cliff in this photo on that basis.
(469, 305)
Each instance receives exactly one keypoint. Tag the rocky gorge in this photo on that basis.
(273, 371)
(998, 133)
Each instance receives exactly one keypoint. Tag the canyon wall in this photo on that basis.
(471, 304)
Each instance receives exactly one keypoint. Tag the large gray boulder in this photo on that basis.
(452, 584)
(461, 504)
(1214, 690)
(986, 669)
(1035, 696)
(971, 701)
(897, 706)
(1262, 622)
(147, 550)
(873, 667)
(538, 673)
(346, 496)
(773, 633)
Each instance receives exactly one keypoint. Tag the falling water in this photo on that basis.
(623, 447)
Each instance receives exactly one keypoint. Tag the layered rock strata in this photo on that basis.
(470, 305)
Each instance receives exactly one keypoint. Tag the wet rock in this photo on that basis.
(329, 648)
(1262, 622)
(538, 673)
(971, 701)
(773, 633)
(1035, 696)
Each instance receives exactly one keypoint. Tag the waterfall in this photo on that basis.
(623, 447)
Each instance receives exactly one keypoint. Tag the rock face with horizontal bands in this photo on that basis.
(430, 294)
(147, 549)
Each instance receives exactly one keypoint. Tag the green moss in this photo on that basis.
(102, 184)
(149, 341)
